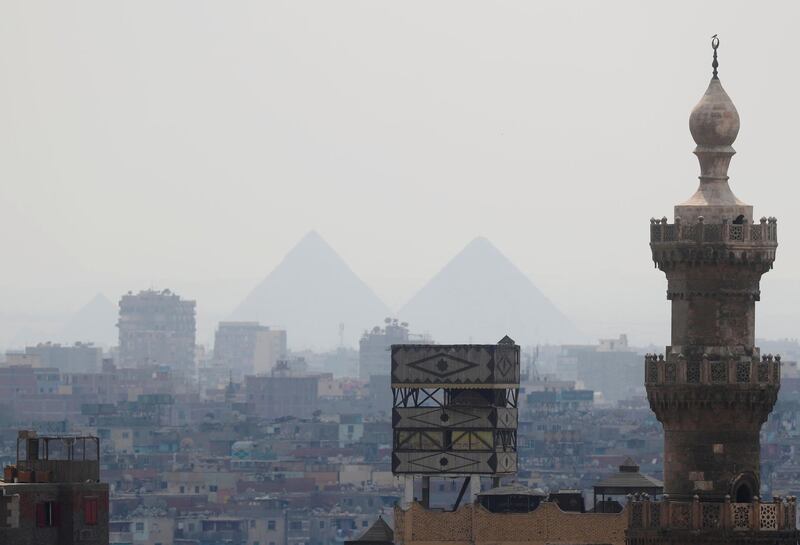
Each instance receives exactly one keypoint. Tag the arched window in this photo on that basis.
(744, 494)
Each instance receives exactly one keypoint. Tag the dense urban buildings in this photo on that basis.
(156, 327)
(282, 394)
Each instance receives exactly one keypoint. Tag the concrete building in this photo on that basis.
(156, 327)
(375, 346)
(610, 368)
(78, 358)
(53, 494)
(711, 389)
(248, 347)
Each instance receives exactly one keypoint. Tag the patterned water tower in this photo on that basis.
(454, 413)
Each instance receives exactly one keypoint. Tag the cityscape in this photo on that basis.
(479, 411)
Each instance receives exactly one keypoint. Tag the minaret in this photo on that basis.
(712, 390)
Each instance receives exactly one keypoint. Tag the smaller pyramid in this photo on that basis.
(310, 293)
(95, 322)
(481, 296)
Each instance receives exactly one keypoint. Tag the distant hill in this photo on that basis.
(310, 293)
(95, 322)
(479, 296)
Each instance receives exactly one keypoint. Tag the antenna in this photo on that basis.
(341, 334)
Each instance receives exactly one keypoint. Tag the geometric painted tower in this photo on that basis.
(455, 413)
(712, 391)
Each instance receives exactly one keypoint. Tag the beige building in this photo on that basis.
(249, 347)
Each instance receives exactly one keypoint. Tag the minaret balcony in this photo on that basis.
(677, 369)
(700, 243)
(763, 233)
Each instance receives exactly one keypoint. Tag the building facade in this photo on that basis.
(248, 347)
(157, 327)
(276, 396)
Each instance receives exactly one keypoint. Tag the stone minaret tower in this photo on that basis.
(713, 390)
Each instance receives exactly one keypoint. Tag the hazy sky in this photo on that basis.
(190, 144)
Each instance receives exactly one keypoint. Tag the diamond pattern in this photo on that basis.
(442, 365)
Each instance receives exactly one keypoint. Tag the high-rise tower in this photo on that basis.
(712, 389)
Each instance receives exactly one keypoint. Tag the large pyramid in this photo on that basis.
(309, 294)
(95, 322)
(479, 296)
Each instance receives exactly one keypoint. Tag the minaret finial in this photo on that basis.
(714, 46)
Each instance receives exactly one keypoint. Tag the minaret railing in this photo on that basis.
(775, 516)
(677, 369)
(766, 231)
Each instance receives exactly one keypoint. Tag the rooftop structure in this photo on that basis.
(52, 495)
(627, 481)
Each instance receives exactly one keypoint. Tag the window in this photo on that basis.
(140, 526)
(212, 488)
(90, 511)
(252, 525)
(47, 514)
(364, 523)
(295, 525)
(182, 490)
(270, 525)
(322, 524)
(196, 489)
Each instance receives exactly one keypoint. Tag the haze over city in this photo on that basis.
(191, 145)
(373, 272)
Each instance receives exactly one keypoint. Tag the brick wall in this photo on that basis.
(474, 525)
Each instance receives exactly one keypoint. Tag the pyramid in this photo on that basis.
(95, 322)
(309, 294)
(480, 296)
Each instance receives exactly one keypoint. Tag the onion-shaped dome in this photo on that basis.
(714, 122)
